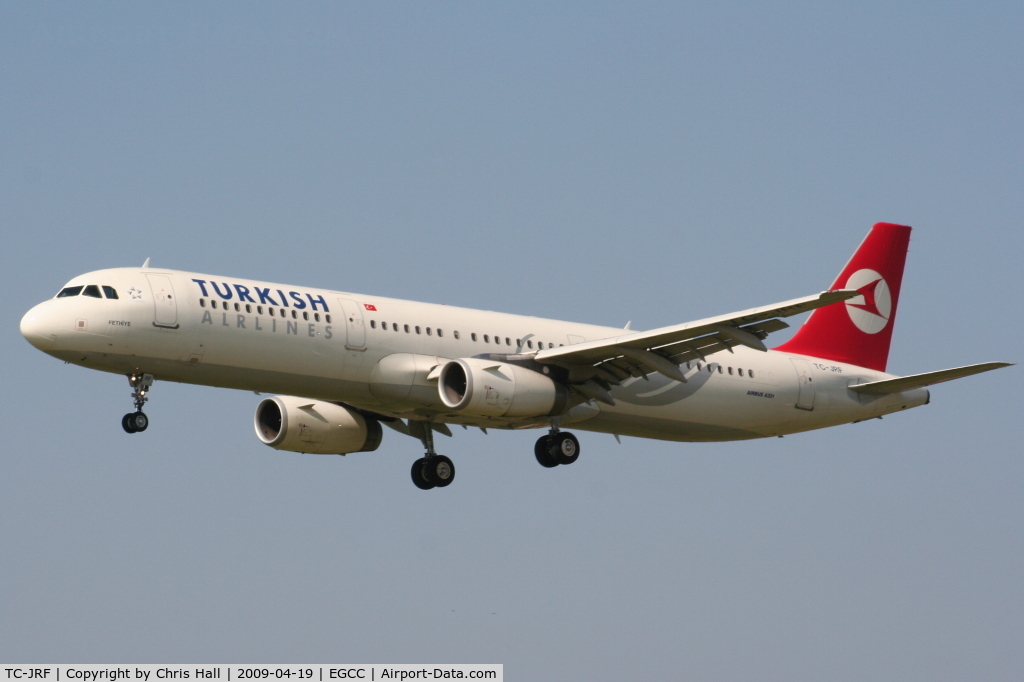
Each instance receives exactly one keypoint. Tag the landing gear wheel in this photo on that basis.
(542, 452)
(439, 470)
(418, 478)
(564, 448)
(134, 422)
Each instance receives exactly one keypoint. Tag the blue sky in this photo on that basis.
(594, 162)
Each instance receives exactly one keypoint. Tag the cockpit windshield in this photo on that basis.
(88, 290)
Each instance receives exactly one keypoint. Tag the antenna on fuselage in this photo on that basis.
(146, 264)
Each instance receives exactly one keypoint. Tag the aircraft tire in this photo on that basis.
(418, 478)
(542, 451)
(128, 422)
(564, 448)
(140, 421)
(439, 470)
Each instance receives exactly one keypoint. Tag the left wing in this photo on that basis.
(595, 366)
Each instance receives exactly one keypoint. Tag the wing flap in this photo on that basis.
(927, 379)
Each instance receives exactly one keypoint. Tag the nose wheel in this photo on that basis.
(137, 421)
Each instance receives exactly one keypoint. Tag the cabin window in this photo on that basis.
(109, 291)
(373, 324)
(271, 311)
(508, 341)
(472, 336)
(92, 291)
(305, 315)
(719, 369)
(327, 318)
(440, 333)
(750, 373)
(202, 303)
(238, 308)
(259, 309)
(740, 370)
(213, 303)
(69, 291)
(417, 329)
(295, 315)
(284, 313)
(316, 318)
(406, 329)
(248, 308)
(487, 339)
(384, 326)
(730, 371)
(529, 344)
(428, 332)
(456, 334)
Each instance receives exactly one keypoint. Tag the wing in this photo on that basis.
(927, 379)
(597, 365)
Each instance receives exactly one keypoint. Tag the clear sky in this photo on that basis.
(595, 162)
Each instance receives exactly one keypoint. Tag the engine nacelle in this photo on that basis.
(490, 388)
(285, 422)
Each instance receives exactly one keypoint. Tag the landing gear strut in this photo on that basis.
(558, 447)
(432, 470)
(137, 421)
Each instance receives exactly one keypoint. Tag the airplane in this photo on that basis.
(344, 364)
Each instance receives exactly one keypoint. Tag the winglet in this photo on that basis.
(146, 264)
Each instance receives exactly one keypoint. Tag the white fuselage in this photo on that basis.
(377, 354)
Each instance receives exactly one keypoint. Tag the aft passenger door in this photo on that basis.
(805, 383)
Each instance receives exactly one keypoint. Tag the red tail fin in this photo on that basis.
(858, 331)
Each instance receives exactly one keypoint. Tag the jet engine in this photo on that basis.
(490, 388)
(285, 422)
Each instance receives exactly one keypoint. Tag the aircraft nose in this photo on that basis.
(38, 328)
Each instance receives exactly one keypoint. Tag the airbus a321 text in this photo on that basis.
(345, 364)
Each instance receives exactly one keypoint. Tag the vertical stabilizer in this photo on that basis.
(859, 330)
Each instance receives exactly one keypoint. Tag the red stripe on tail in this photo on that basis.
(859, 330)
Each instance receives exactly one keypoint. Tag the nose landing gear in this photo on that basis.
(137, 421)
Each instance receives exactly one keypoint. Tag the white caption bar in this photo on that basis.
(248, 673)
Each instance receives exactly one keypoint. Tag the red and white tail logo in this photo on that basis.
(859, 331)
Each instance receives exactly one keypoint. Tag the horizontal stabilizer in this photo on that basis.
(926, 379)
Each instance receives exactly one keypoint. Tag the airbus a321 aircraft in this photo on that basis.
(359, 361)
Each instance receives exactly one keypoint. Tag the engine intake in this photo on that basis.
(490, 388)
(285, 422)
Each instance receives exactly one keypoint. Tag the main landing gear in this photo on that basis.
(558, 447)
(432, 470)
(137, 421)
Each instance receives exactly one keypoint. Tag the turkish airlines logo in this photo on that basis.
(870, 311)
